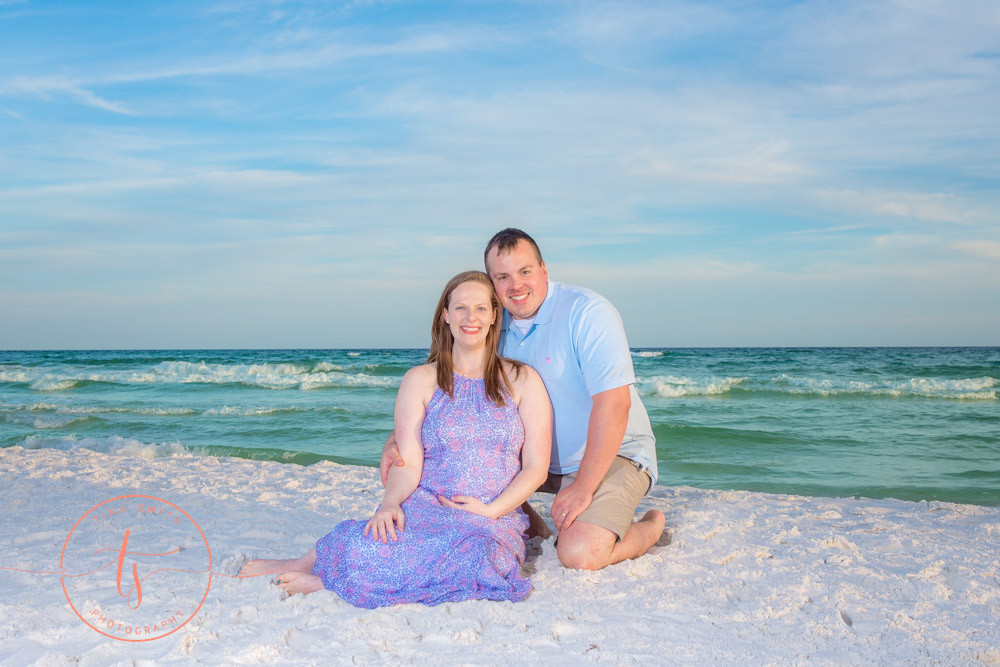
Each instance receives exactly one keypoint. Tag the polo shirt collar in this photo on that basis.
(544, 313)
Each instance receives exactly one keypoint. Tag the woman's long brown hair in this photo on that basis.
(495, 379)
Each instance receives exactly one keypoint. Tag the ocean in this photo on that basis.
(908, 423)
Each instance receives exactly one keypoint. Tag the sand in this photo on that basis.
(747, 578)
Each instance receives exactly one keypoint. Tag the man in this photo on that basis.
(603, 450)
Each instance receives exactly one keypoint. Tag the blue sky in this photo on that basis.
(309, 174)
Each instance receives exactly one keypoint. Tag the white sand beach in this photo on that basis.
(747, 578)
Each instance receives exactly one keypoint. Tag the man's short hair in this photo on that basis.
(506, 240)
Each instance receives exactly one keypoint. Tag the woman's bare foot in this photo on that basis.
(536, 524)
(261, 567)
(296, 581)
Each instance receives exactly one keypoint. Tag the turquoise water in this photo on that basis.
(909, 423)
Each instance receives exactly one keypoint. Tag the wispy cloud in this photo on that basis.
(919, 206)
(987, 249)
(47, 87)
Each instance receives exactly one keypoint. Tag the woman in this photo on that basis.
(474, 430)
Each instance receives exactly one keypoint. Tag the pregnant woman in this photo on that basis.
(474, 430)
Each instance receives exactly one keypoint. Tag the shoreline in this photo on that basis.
(747, 576)
(117, 446)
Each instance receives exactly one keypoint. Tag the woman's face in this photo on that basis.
(470, 313)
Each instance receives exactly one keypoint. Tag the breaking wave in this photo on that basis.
(984, 388)
(675, 387)
(977, 389)
(117, 445)
(266, 375)
(112, 444)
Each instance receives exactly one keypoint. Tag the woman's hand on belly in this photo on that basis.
(469, 504)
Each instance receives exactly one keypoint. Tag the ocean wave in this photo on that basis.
(37, 379)
(243, 411)
(13, 374)
(322, 380)
(97, 410)
(159, 412)
(71, 413)
(43, 421)
(646, 354)
(117, 445)
(265, 375)
(981, 389)
(325, 367)
(675, 387)
(236, 411)
(53, 383)
(112, 444)
(984, 388)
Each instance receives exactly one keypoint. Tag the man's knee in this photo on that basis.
(579, 553)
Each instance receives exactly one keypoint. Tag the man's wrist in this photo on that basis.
(585, 485)
(586, 481)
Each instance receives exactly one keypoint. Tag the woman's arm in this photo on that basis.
(411, 402)
(536, 415)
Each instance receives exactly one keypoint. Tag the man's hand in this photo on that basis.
(570, 503)
(390, 457)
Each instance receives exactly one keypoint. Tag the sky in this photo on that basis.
(300, 174)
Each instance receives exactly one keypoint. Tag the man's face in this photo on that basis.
(521, 282)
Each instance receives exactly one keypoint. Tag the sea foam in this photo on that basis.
(675, 387)
(265, 375)
(61, 409)
(983, 388)
(112, 444)
(43, 421)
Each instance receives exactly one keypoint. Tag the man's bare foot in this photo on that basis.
(656, 516)
(299, 582)
(261, 567)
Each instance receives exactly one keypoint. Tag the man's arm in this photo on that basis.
(390, 457)
(605, 432)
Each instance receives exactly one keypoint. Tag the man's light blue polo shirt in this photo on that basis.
(577, 344)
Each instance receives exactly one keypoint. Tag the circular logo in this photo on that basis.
(136, 568)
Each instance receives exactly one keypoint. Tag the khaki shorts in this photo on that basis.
(616, 498)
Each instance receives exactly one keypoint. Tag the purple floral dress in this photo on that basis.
(472, 448)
